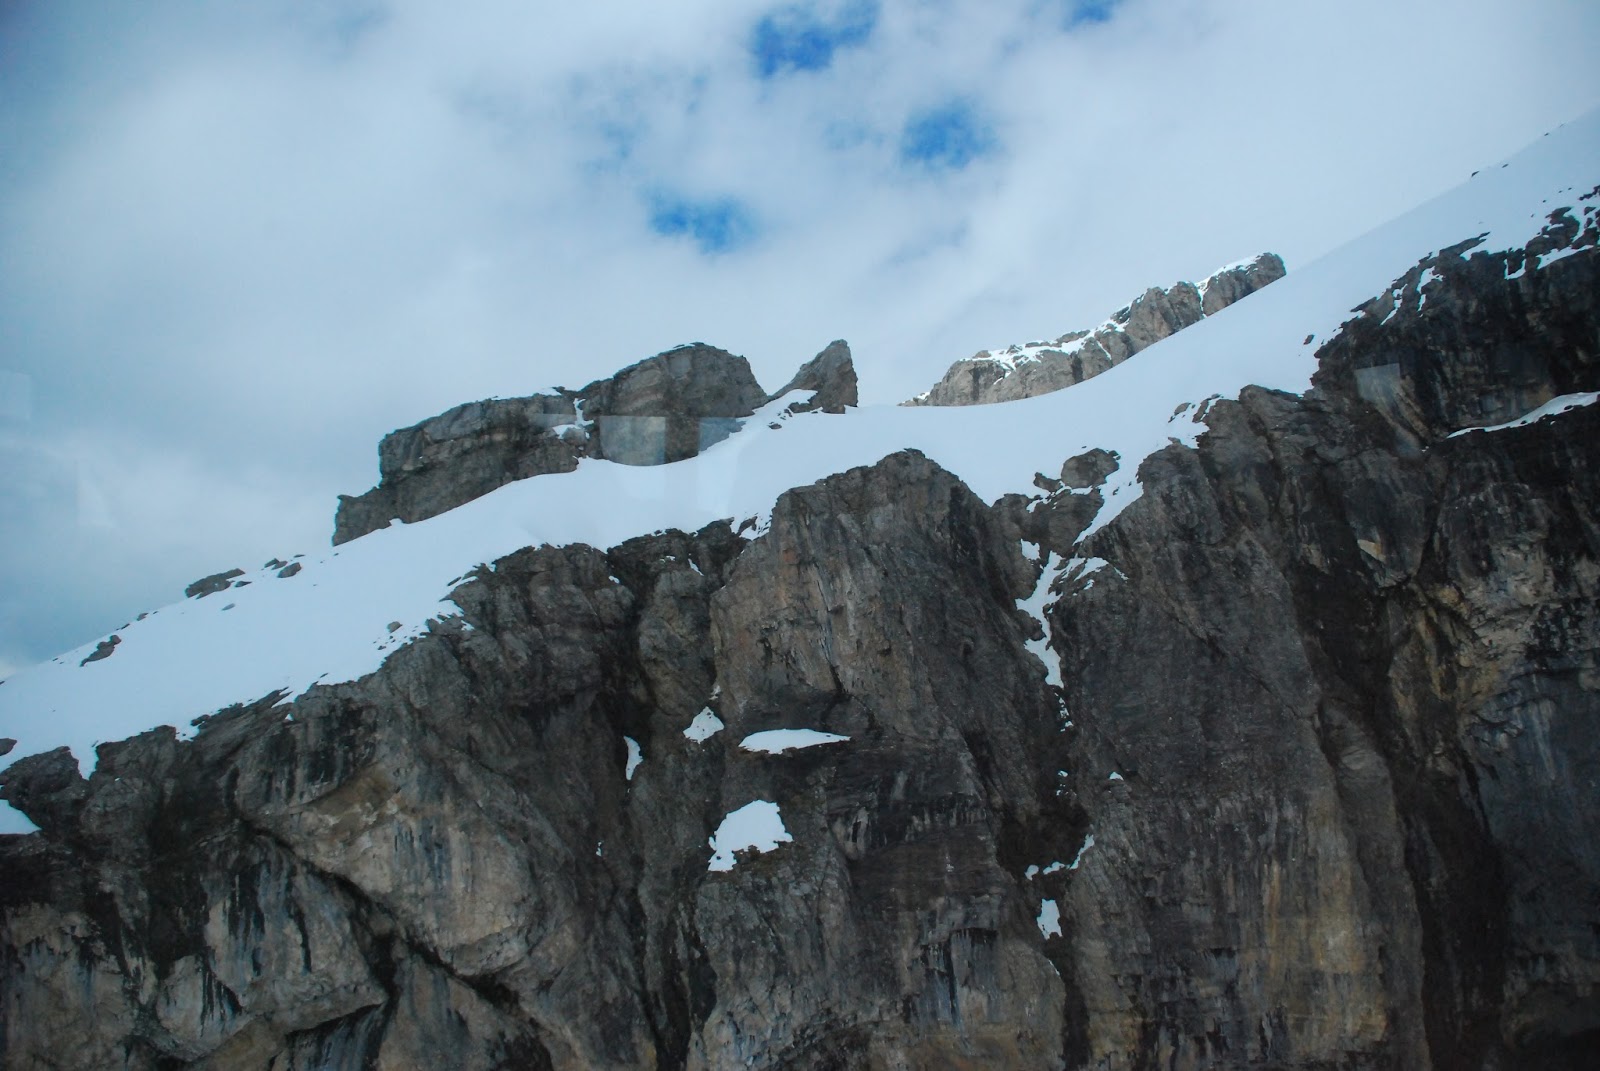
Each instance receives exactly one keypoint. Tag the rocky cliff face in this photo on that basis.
(663, 409)
(1310, 780)
(1041, 367)
(1355, 660)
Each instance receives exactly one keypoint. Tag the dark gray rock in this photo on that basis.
(1345, 640)
(457, 456)
(671, 406)
(46, 787)
(210, 585)
(466, 852)
(665, 408)
(832, 374)
(103, 649)
(1089, 469)
(662, 409)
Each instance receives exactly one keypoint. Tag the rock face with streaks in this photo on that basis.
(1320, 786)
(1042, 367)
(449, 859)
(1348, 703)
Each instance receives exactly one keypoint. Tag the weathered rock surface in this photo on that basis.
(1352, 662)
(671, 406)
(1042, 367)
(1238, 281)
(832, 374)
(210, 585)
(664, 408)
(1320, 787)
(449, 856)
(102, 650)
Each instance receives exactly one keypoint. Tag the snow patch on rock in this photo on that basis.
(777, 741)
(704, 727)
(757, 826)
(1554, 407)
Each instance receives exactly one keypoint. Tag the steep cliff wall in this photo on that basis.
(1349, 698)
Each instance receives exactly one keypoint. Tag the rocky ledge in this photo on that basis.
(1041, 367)
(662, 409)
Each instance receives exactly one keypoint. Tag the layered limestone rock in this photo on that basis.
(1042, 367)
(663, 409)
(1318, 788)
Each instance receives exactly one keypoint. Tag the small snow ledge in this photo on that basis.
(756, 826)
(704, 727)
(1554, 407)
(1049, 919)
(777, 741)
(635, 757)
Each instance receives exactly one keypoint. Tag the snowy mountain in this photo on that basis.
(1227, 707)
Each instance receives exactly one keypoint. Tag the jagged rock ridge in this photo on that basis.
(1041, 367)
(662, 409)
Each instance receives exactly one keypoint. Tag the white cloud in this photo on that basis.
(238, 244)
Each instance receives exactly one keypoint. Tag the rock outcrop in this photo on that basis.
(210, 585)
(831, 374)
(1318, 786)
(1042, 367)
(662, 409)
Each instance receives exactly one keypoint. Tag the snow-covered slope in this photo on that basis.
(344, 612)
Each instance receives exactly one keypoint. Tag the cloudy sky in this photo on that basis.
(239, 242)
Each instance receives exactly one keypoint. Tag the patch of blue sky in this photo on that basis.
(1085, 12)
(715, 225)
(802, 38)
(947, 138)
